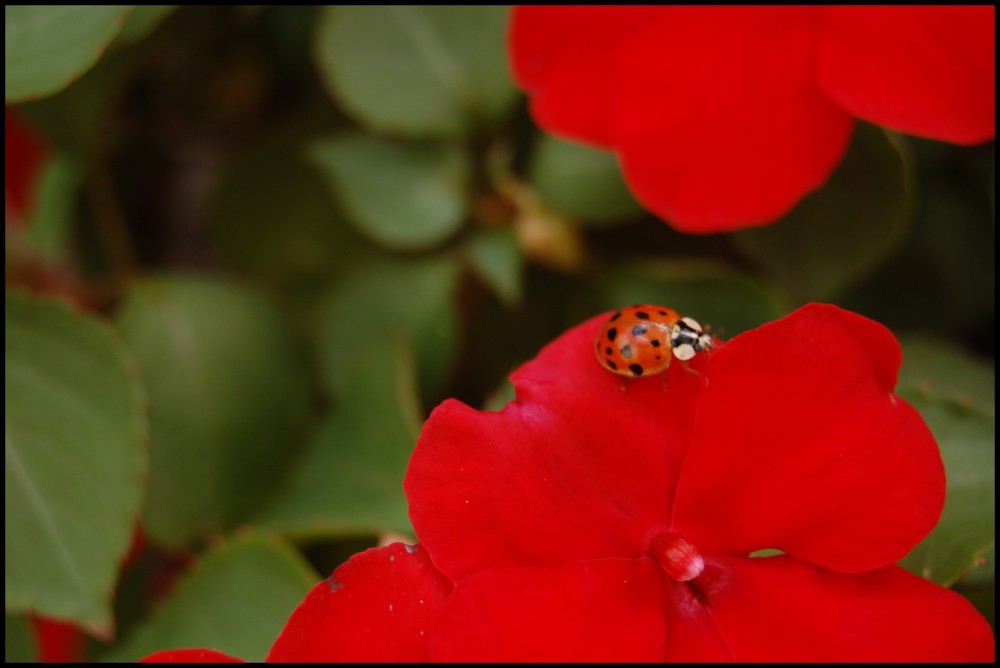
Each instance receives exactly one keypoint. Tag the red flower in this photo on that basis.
(725, 117)
(584, 522)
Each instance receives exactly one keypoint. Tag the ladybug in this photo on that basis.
(642, 340)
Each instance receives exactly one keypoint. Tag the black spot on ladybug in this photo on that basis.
(655, 343)
(642, 315)
(612, 333)
(662, 312)
(639, 330)
(636, 369)
(615, 316)
(627, 351)
(612, 364)
(607, 351)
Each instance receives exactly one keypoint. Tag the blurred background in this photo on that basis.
(297, 229)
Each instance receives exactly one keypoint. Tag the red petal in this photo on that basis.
(718, 118)
(24, 154)
(691, 632)
(924, 70)
(603, 610)
(800, 445)
(58, 641)
(564, 58)
(581, 466)
(376, 607)
(191, 656)
(781, 609)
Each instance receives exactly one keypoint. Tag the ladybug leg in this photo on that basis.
(687, 367)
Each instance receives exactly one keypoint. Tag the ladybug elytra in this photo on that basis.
(642, 340)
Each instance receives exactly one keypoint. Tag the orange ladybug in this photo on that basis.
(642, 340)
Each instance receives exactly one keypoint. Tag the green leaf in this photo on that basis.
(403, 195)
(19, 642)
(229, 395)
(494, 256)
(581, 182)
(74, 459)
(954, 394)
(842, 232)
(73, 117)
(351, 481)
(418, 70)
(500, 397)
(48, 47)
(934, 368)
(143, 20)
(54, 213)
(966, 529)
(235, 600)
(385, 301)
(272, 217)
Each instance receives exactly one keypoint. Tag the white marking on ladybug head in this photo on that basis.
(693, 324)
(684, 352)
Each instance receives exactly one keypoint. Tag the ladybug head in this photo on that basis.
(688, 338)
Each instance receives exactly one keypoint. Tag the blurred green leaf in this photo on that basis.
(384, 301)
(73, 118)
(272, 217)
(494, 256)
(721, 299)
(54, 213)
(48, 47)
(143, 20)
(984, 573)
(581, 182)
(419, 70)
(351, 481)
(236, 600)
(842, 232)
(229, 396)
(966, 529)
(500, 397)
(954, 394)
(403, 195)
(73, 461)
(19, 642)
(935, 369)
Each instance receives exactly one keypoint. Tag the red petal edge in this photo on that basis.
(190, 656)
(718, 119)
(564, 58)
(378, 606)
(924, 70)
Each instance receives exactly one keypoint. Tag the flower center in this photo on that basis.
(678, 558)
